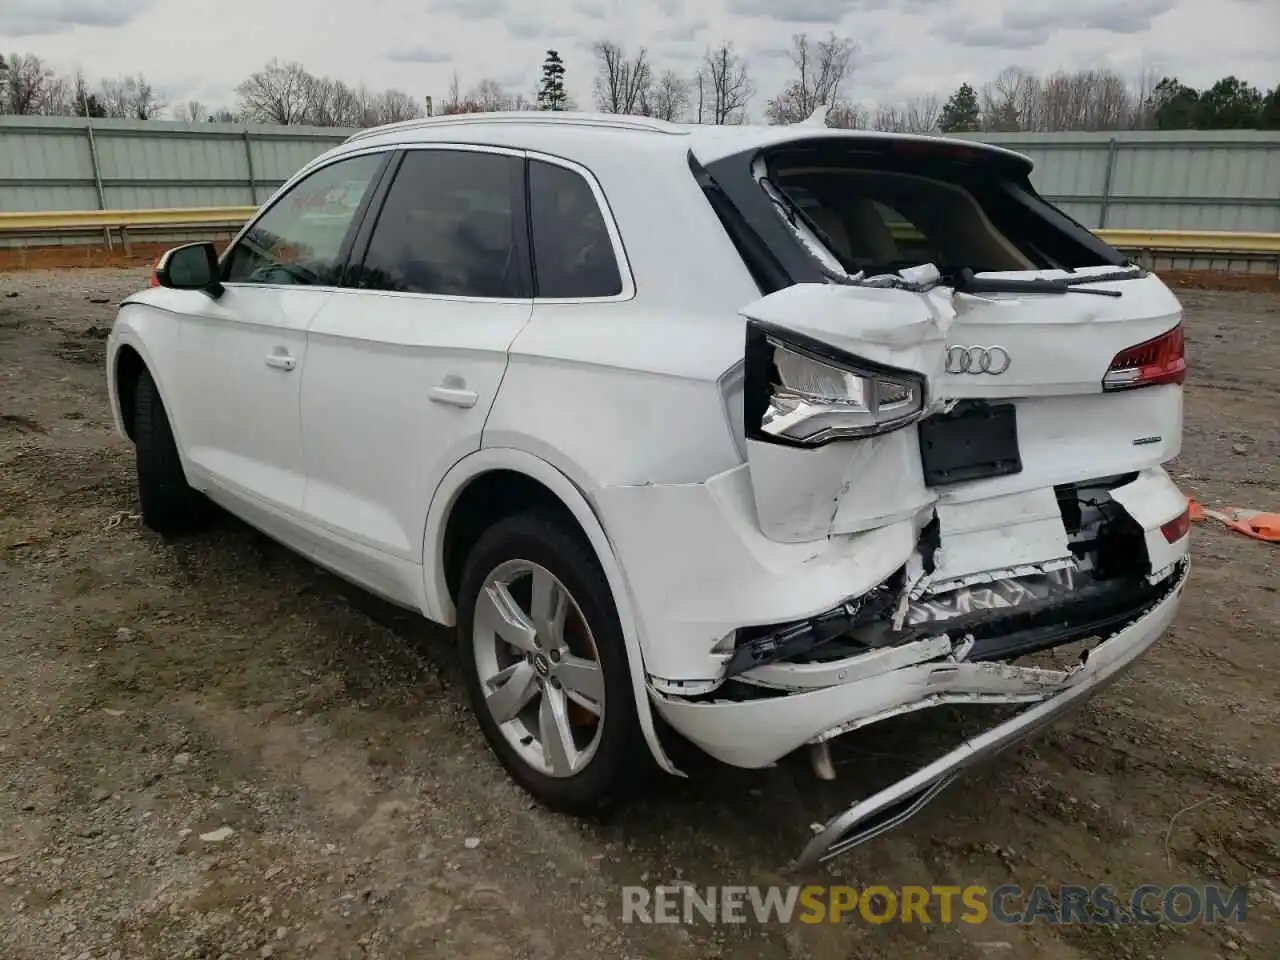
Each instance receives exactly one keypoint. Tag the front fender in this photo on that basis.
(156, 341)
(439, 605)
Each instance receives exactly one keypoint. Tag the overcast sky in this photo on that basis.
(200, 50)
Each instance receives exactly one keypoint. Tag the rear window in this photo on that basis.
(878, 214)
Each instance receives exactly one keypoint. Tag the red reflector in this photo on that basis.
(1162, 360)
(1178, 527)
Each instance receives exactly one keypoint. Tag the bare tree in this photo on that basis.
(888, 117)
(59, 97)
(923, 113)
(1144, 103)
(670, 97)
(85, 103)
(29, 81)
(331, 103)
(622, 84)
(131, 98)
(487, 96)
(1012, 101)
(847, 116)
(821, 69)
(454, 98)
(1065, 100)
(396, 105)
(490, 96)
(275, 94)
(193, 111)
(725, 85)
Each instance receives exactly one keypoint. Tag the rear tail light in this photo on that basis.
(1178, 527)
(155, 275)
(802, 392)
(1147, 364)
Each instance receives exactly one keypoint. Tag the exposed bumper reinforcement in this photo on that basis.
(891, 806)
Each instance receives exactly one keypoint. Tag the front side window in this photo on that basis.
(450, 226)
(573, 253)
(299, 240)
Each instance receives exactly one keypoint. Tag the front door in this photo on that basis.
(243, 354)
(403, 367)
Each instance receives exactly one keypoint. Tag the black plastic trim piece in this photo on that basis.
(972, 442)
(359, 248)
(765, 268)
(367, 216)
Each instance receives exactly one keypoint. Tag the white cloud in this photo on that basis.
(905, 46)
(33, 18)
(419, 53)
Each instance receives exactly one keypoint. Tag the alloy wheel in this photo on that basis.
(539, 668)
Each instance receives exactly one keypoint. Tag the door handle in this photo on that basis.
(281, 361)
(454, 396)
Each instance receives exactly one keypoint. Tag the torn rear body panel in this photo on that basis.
(964, 400)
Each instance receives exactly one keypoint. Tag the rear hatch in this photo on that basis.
(866, 400)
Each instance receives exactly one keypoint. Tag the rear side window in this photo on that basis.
(573, 253)
(449, 226)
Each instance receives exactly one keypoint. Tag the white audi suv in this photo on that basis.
(748, 436)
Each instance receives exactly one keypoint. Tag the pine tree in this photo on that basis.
(551, 95)
(960, 115)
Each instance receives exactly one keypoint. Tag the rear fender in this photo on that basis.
(439, 605)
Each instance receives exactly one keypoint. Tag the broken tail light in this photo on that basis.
(1147, 364)
(1178, 527)
(802, 392)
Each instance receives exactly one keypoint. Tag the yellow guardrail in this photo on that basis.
(1193, 241)
(1163, 241)
(61, 221)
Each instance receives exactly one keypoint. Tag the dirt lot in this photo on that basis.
(152, 693)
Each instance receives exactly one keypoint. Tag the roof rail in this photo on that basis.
(540, 117)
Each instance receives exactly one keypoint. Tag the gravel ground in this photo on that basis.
(209, 748)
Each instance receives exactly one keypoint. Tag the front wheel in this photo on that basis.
(169, 505)
(545, 665)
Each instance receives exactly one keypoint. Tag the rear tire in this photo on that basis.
(169, 505)
(573, 678)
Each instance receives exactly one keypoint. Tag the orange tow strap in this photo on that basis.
(1252, 523)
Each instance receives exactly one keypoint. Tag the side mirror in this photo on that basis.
(192, 266)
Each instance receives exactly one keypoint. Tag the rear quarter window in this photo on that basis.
(574, 257)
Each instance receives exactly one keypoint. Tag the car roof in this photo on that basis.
(552, 131)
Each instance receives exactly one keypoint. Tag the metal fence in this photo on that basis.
(1219, 180)
(66, 163)
(1158, 180)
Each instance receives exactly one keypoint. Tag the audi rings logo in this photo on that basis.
(976, 360)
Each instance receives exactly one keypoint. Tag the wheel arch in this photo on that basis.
(525, 479)
(128, 355)
(127, 371)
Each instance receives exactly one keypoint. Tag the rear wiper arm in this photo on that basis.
(967, 282)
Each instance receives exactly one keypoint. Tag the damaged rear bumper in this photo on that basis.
(923, 674)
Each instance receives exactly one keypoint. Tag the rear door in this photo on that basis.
(244, 353)
(403, 365)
